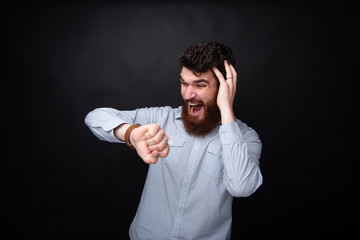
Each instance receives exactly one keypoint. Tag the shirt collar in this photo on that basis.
(178, 113)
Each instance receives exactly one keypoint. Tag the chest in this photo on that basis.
(197, 155)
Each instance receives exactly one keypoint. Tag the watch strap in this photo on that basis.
(127, 135)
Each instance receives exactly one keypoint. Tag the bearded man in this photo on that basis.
(200, 155)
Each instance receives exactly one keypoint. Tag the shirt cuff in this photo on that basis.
(230, 133)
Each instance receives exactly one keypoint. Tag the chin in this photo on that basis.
(202, 122)
(196, 118)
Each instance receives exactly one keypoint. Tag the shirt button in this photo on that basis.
(171, 142)
(190, 170)
(196, 147)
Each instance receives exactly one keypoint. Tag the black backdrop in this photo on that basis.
(296, 65)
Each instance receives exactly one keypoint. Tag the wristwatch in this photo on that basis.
(127, 135)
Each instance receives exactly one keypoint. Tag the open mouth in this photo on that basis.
(195, 108)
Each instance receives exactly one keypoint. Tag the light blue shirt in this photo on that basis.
(188, 194)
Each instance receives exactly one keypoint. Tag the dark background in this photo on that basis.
(297, 64)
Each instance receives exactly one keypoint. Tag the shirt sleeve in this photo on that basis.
(102, 121)
(241, 153)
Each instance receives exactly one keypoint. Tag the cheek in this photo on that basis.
(214, 93)
(182, 91)
(209, 96)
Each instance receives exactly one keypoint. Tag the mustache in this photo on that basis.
(187, 103)
(194, 101)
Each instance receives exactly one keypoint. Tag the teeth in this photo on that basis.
(193, 105)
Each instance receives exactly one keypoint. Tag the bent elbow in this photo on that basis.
(248, 186)
(92, 115)
(87, 119)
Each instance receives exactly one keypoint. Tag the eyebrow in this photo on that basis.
(196, 81)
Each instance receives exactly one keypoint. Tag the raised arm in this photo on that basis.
(241, 149)
(241, 144)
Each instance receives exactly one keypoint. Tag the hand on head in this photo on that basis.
(227, 91)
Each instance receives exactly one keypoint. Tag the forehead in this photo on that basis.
(188, 76)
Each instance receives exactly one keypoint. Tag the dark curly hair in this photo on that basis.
(203, 56)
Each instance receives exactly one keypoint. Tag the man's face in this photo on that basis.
(199, 92)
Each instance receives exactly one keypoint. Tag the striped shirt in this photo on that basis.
(188, 194)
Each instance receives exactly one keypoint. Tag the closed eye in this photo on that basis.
(183, 83)
(197, 83)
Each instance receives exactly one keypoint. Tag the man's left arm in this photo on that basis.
(241, 151)
(241, 145)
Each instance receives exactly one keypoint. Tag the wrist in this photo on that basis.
(127, 135)
(227, 116)
(119, 131)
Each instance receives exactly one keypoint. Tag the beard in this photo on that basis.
(201, 126)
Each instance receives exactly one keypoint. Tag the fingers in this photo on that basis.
(227, 88)
(155, 144)
(164, 152)
(231, 75)
(159, 143)
(159, 146)
(153, 139)
(151, 158)
(234, 76)
(219, 75)
(234, 73)
(152, 130)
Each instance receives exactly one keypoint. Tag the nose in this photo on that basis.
(189, 93)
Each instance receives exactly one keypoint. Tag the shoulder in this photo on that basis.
(246, 130)
(159, 114)
(243, 126)
(162, 111)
